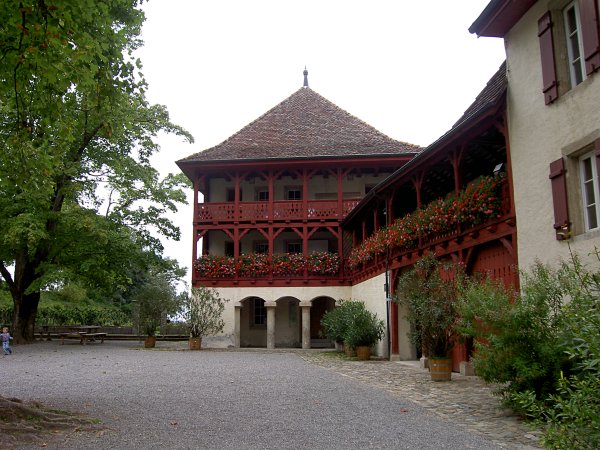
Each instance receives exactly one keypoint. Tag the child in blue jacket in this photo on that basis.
(5, 337)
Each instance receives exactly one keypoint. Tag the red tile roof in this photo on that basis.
(305, 125)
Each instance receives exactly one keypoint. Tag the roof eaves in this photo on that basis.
(460, 126)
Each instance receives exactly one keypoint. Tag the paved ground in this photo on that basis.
(176, 399)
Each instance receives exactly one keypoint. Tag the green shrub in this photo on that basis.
(335, 323)
(364, 329)
(430, 302)
(544, 343)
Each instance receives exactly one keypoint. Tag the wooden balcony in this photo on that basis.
(461, 238)
(288, 269)
(275, 211)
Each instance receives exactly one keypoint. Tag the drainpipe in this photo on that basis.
(388, 296)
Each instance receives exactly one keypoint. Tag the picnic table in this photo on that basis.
(85, 333)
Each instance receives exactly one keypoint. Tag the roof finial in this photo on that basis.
(305, 77)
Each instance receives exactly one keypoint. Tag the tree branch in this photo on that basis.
(7, 276)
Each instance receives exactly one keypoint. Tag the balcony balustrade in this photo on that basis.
(282, 211)
(251, 267)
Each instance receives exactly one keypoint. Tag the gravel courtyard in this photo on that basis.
(175, 399)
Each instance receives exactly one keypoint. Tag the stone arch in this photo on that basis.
(288, 323)
(253, 322)
(319, 306)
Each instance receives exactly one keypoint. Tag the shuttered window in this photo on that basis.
(590, 34)
(550, 84)
(573, 32)
(562, 225)
(589, 191)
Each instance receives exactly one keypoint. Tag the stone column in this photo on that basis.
(305, 323)
(270, 324)
(237, 324)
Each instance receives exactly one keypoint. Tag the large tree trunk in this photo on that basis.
(25, 312)
(25, 305)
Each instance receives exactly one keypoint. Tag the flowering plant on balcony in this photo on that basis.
(253, 265)
(323, 263)
(478, 202)
(215, 266)
(288, 264)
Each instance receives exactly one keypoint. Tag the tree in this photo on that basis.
(76, 137)
(204, 313)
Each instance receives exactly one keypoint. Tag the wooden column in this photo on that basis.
(456, 161)
(270, 182)
(340, 191)
(236, 198)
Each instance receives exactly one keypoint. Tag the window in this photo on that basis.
(261, 247)
(574, 44)
(262, 195)
(229, 248)
(294, 247)
(577, 35)
(589, 191)
(230, 194)
(259, 312)
(293, 193)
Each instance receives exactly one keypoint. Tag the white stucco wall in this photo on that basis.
(372, 293)
(270, 294)
(540, 134)
(318, 185)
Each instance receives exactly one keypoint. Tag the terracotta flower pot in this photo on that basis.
(195, 343)
(150, 342)
(363, 352)
(349, 351)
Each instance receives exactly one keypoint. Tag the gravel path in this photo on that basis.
(153, 399)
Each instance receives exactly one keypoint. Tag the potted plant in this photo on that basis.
(335, 323)
(430, 300)
(154, 301)
(204, 315)
(363, 332)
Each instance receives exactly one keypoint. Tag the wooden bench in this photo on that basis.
(83, 337)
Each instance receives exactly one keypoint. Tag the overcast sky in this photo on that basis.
(408, 68)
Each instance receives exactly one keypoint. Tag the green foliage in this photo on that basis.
(62, 313)
(204, 314)
(518, 336)
(77, 190)
(544, 344)
(155, 301)
(430, 302)
(336, 322)
(364, 329)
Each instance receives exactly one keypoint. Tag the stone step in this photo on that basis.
(321, 343)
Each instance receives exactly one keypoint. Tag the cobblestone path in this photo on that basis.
(466, 401)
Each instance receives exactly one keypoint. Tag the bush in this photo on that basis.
(57, 313)
(204, 313)
(430, 300)
(364, 329)
(335, 323)
(544, 343)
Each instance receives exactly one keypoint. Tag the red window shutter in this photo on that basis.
(550, 89)
(559, 198)
(597, 148)
(590, 33)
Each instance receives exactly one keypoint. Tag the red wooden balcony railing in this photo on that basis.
(282, 210)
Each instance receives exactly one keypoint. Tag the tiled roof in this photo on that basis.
(305, 125)
(490, 96)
